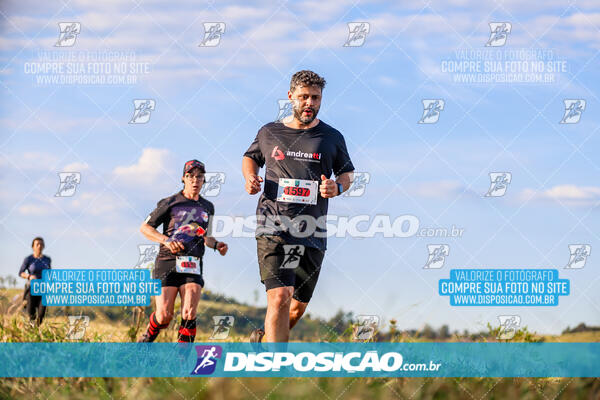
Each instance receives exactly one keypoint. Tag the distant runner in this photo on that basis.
(32, 268)
(186, 218)
(300, 155)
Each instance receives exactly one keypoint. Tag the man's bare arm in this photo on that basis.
(250, 170)
(345, 179)
(329, 188)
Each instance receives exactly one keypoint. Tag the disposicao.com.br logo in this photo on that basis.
(207, 359)
(328, 361)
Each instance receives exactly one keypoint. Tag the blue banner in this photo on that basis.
(95, 287)
(504, 287)
(300, 359)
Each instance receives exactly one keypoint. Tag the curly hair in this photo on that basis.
(306, 78)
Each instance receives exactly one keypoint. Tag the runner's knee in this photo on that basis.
(296, 313)
(188, 313)
(164, 317)
(280, 297)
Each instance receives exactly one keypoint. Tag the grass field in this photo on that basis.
(120, 324)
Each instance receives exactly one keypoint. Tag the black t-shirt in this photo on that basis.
(181, 219)
(298, 154)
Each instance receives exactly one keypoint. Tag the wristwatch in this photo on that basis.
(340, 188)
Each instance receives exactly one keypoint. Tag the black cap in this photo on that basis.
(193, 164)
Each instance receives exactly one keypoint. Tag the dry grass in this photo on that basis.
(129, 323)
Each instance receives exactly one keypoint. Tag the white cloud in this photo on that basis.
(36, 210)
(388, 80)
(439, 189)
(97, 203)
(51, 123)
(152, 165)
(566, 194)
(75, 167)
(30, 160)
(39, 206)
(244, 15)
(291, 32)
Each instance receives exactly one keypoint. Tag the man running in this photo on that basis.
(300, 154)
(186, 218)
(32, 268)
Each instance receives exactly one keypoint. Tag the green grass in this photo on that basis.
(300, 388)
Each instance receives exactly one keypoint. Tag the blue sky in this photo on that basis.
(210, 102)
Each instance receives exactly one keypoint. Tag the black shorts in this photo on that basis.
(274, 273)
(167, 273)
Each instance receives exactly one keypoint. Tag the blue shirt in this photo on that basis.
(35, 265)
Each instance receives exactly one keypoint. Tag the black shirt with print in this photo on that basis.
(296, 154)
(178, 216)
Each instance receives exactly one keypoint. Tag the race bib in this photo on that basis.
(188, 265)
(297, 191)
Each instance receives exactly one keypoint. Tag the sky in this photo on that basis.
(209, 102)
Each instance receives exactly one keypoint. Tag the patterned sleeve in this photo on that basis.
(159, 214)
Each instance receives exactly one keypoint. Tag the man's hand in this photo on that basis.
(253, 184)
(222, 248)
(328, 188)
(31, 277)
(174, 247)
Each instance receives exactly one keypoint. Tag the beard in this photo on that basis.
(305, 120)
